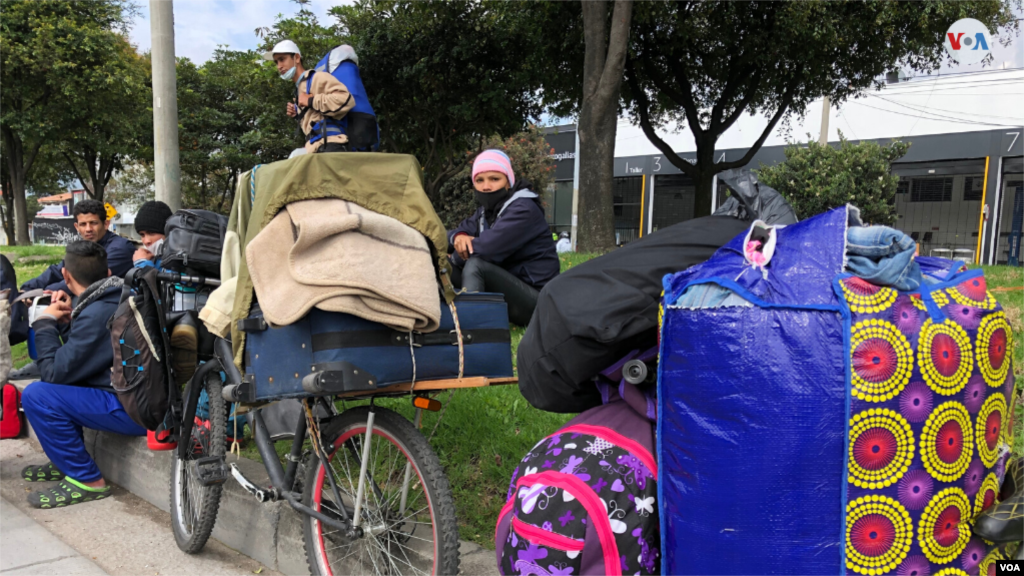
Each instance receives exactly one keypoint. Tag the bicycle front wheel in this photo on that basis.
(194, 506)
(407, 517)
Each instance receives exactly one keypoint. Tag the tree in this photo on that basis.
(531, 158)
(55, 57)
(231, 117)
(815, 178)
(113, 125)
(704, 64)
(443, 75)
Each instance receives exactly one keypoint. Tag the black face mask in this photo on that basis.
(492, 202)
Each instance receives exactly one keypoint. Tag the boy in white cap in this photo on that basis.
(320, 100)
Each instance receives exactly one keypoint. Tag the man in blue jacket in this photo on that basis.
(91, 223)
(75, 390)
(506, 245)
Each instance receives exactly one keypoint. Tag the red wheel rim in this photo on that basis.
(319, 484)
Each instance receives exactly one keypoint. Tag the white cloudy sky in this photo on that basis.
(202, 25)
(968, 102)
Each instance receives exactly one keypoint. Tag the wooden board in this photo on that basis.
(434, 385)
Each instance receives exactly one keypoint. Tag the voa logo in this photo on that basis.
(968, 41)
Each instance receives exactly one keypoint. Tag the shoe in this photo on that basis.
(66, 493)
(184, 347)
(29, 371)
(1004, 522)
(45, 473)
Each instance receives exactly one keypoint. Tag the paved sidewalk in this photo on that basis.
(119, 535)
(28, 548)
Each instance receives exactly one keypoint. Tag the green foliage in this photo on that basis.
(530, 155)
(60, 65)
(815, 178)
(114, 125)
(231, 118)
(704, 64)
(441, 75)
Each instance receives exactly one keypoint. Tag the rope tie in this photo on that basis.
(252, 185)
(412, 354)
(458, 335)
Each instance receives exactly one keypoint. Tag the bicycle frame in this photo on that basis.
(283, 479)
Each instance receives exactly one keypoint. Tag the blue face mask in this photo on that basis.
(289, 74)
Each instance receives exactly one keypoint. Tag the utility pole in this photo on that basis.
(165, 105)
(826, 105)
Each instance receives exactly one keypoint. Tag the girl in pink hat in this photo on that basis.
(506, 245)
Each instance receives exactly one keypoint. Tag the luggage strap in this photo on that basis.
(379, 338)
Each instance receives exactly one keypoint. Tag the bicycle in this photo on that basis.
(373, 494)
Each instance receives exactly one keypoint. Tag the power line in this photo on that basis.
(922, 87)
(930, 110)
(961, 121)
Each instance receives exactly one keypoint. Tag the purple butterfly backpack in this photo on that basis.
(583, 500)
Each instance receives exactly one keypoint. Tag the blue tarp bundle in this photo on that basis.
(812, 423)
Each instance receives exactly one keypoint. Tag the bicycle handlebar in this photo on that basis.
(178, 278)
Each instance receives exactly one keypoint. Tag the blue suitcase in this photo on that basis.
(328, 353)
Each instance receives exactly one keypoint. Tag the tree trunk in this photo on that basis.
(8, 209)
(704, 178)
(703, 184)
(604, 59)
(596, 218)
(20, 209)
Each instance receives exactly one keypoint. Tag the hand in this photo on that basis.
(142, 254)
(464, 245)
(305, 100)
(291, 110)
(60, 306)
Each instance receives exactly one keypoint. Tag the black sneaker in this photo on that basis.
(29, 371)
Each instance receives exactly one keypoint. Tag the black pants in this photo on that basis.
(333, 147)
(479, 275)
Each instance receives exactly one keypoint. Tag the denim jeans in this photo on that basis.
(883, 256)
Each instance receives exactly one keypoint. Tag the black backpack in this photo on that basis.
(19, 312)
(141, 374)
(194, 239)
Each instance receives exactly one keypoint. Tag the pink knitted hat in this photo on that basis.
(494, 161)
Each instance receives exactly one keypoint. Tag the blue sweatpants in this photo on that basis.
(57, 413)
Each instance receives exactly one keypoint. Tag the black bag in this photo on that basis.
(141, 375)
(595, 313)
(19, 312)
(194, 239)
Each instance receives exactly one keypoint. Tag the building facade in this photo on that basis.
(960, 194)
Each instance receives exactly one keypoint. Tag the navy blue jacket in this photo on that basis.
(519, 241)
(86, 356)
(119, 260)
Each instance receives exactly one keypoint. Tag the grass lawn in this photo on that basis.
(485, 432)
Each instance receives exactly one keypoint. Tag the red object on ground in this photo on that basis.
(10, 408)
(160, 440)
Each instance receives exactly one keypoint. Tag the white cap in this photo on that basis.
(282, 47)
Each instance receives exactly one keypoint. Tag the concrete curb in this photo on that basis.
(270, 533)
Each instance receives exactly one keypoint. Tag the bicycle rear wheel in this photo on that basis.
(408, 517)
(194, 506)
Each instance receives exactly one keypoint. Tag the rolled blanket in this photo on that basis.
(339, 257)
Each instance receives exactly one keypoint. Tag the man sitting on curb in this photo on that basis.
(150, 223)
(75, 390)
(91, 223)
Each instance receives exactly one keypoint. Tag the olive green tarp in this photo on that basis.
(389, 184)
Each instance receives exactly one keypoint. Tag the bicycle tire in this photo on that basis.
(192, 532)
(398, 433)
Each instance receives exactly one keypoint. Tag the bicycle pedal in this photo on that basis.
(210, 470)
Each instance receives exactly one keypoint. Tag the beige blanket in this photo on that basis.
(339, 257)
